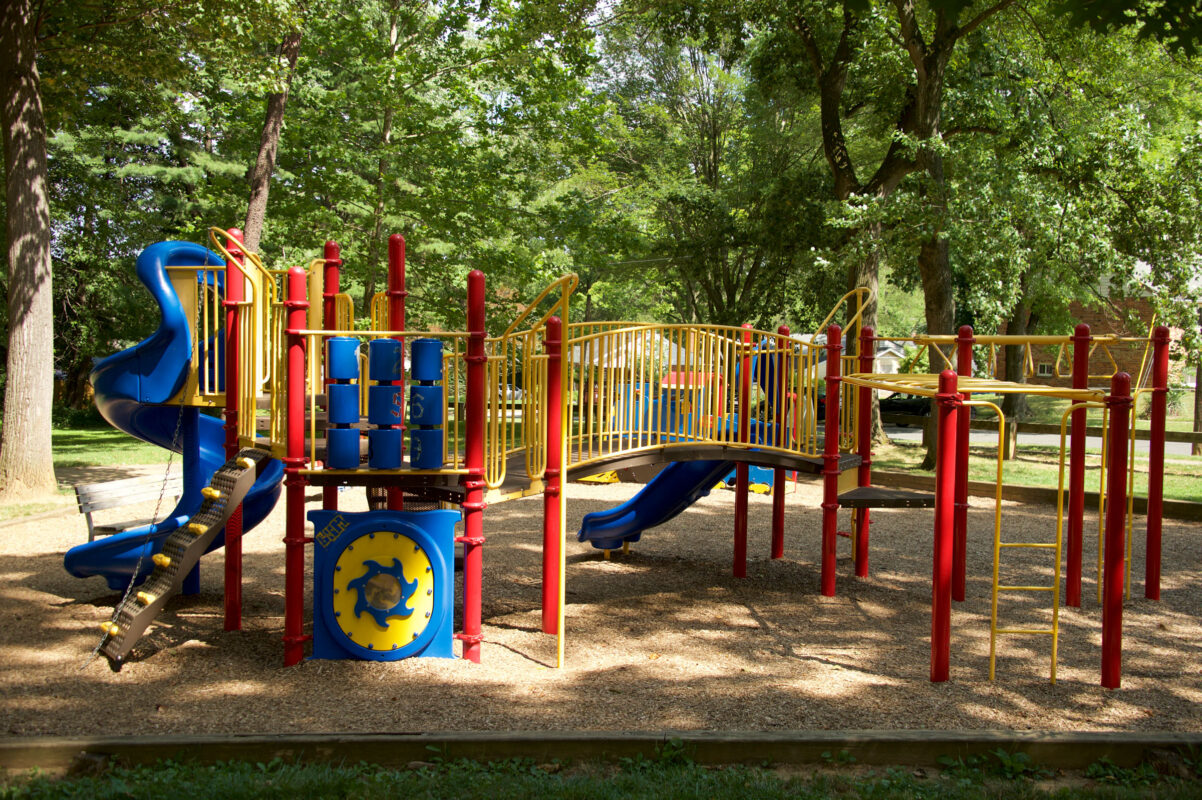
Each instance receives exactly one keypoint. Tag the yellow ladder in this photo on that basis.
(998, 546)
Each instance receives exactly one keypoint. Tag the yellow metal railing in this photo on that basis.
(198, 289)
(260, 343)
(516, 387)
(642, 386)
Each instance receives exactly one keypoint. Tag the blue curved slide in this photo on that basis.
(130, 388)
(675, 488)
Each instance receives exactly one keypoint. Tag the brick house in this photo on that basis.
(1128, 318)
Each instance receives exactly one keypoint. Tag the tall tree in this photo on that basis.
(260, 174)
(718, 167)
(132, 37)
(26, 467)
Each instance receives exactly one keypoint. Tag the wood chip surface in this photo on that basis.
(662, 638)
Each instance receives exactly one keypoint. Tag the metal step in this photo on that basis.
(880, 497)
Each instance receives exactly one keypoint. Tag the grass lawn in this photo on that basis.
(105, 446)
(1048, 410)
(82, 447)
(998, 775)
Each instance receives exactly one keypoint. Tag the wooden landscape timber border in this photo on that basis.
(1064, 750)
(1183, 510)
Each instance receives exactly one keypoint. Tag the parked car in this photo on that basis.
(906, 405)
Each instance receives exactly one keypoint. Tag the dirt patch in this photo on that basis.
(662, 638)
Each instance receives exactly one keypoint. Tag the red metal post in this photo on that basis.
(864, 446)
(947, 404)
(780, 402)
(742, 487)
(473, 481)
(1114, 570)
(830, 458)
(964, 345)
(294, 483)
(235, 295)
(552, 535)
(1076, 472)
(1160, 390)
(329, 293)
(396, 322)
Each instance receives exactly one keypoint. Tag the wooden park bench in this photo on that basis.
(93, 497)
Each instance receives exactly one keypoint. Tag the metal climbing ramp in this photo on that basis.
(181, 550)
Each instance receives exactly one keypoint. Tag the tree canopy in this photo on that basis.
(694, 160)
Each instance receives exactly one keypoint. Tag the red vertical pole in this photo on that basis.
(552, 535)
(780, 402)
(329, 293)
(294, 483)
(396, 322)
(235, 295)
(1114, 570)
(947, 404)
(473, 481)
(1076, 472)
(1160, 390)
(830, 458)
(864, 446)
(964, 345)
(742, 488)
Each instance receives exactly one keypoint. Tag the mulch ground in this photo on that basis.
(662, 638)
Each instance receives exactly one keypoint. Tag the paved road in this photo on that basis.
(914, 434)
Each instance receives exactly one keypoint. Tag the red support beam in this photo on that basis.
(1160, 391)
(964, 345)
(297, 307)
(947, 406)
(235, 295)
(473, 481)
(780, 403)
(552, 535)
(830, 458)
(1076, 472)
(742, 484)
(396, 322)
(864, 446)
(331, 277)
(1114, 572)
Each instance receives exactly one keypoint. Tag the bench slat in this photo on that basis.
(124, 492)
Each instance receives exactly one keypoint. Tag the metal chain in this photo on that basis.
(133, 578)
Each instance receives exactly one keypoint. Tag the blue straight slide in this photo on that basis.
(675, 488)
(130, 388)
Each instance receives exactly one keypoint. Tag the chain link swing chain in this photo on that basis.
(133, 578)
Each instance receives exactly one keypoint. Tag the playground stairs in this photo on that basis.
(180, 552)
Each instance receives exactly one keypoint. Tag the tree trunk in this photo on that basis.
(269, 142)
(1022, 321)
(938, 291)
(867, 274)
(26, 467)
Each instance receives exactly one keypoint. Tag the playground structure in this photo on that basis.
(594, 396)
